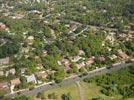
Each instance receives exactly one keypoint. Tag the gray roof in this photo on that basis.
(31, 78)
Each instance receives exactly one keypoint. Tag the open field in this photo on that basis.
(90, 91)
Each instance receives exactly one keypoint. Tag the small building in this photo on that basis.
(65, 62)
(42, 74)
(101, 58)
(15, 82)
(1, 73)
(82, 64)
(23, 70)
(75, 59)
(113, 57)
(2, 26)
(12, 71)
(39, 66)
(3, 85)
(81, 52)
(31, 78)
(4, 61)
(73, 27)
(17, 16)
(90, 60)
(30, 40)
(45, 52)
(122, 54)
(25, 50)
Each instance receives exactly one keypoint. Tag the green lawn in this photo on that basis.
(72, 89)
(90, 90)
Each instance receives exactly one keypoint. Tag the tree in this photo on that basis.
(74, 67)
(66, 96)
(22, 98)
(59, 75)
(41, 95)
(52, 96)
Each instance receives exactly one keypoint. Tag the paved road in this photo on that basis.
(70, 80)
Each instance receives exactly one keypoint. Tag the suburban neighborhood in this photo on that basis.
(46, 42)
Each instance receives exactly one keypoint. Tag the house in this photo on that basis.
(113, 57)
(3, 85)
(93, 29)
(122, 54)
(90, 60)
(4, 61)
(45, 52)
(12, 71)
(81, 52)
(110, 38)
(65, 62)
(101, 58)
(82, 64)
(23, 70)
(39, 66)
(73, 27)
(42, 74)
(17, 16)
(37, 59)
(31, 78)
(15, 82)
(1, 73)
(25, 50)
(67, 68)
(59, 63)
(76, 58)
(2, 26)
(30, 40)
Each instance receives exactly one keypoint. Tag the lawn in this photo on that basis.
(72, 89)
(90, 90)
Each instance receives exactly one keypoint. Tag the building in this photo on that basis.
(25, 50)
(31, 78)
(42, 74)
(39, 66)
(23, 70)
(65, 62)
(101, 58)
(81, 52)
(90, 60)
(45, 52)
(2, 26)
(30, 40)
(4, 61)
(73, 27)
(1, 73)
(122, 54)
(82, 64)
(75, 59)
(15, 82)
(113, 57)
(12, 71)
(3, 85)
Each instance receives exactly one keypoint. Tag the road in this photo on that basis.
(69, 80)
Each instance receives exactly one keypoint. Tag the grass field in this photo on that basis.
(72, 89)
(90, 91)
